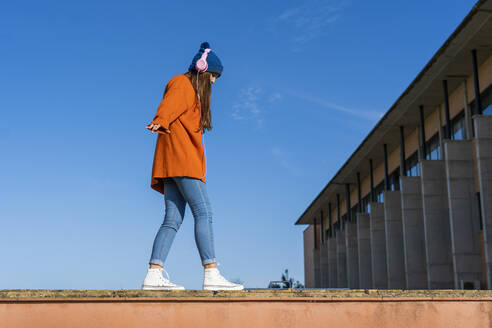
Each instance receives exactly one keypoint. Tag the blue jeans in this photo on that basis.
(177, 192)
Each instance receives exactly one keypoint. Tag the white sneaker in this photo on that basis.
(155, 281)
(213, 280)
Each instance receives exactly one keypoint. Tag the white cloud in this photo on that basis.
(283, 160)
(274, 97)
(251, 104)
(369, 115)
(280, 156)
(308, 21)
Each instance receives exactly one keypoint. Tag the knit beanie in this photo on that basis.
(214, 64)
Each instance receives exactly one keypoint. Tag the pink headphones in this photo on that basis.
(201, 64)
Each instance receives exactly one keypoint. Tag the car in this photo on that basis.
(279, 284)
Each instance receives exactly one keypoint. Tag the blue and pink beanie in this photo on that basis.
(214, 64)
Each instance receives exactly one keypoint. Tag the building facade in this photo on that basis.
(412, 206)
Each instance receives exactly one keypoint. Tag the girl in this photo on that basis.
(179, 169)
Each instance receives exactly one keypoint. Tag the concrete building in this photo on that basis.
(412, 206)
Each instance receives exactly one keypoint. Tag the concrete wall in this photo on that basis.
(413, 233)
(324, 264)
(258, 309)
(352, 254)
(341, 260)
(393, 229)
(364, 250)
(378, 246)
(464, 213)
(308, 236)
(332, 262)
(436, 225)
(483, 151)
(317, 267)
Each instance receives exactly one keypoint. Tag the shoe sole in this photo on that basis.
(146, 287)
(221, 288)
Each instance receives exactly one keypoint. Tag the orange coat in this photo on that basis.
(179, 153)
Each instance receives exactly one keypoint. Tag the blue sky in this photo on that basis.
(303, 84)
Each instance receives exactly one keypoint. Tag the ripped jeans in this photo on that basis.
(177, 192)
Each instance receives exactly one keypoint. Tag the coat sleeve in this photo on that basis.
(174, 103)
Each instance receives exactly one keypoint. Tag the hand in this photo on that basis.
(155, 127)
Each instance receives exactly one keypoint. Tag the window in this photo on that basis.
(458, 127)
(322, 230)
(394, 179)
(365, 203)
(337, 225)
(486, 98)
(412, 165)
(353, 213)
(315, 230)
(330, 226)
(379, 192)
(480, 211)
(433, 148)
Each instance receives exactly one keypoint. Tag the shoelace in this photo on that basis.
(167, 274)
(167, 281)
(221, 278)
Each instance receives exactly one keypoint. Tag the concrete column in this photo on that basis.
(436, 225)
(413, 233)
(324, 264)
(483, 153)
(393, 229)
(332, 262)
(364, 249)
(341, 259)
(378, 246)
(317, 268)
(352, 255)
(464, 216)
(308, 257)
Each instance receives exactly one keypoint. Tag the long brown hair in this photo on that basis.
(205, 92)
